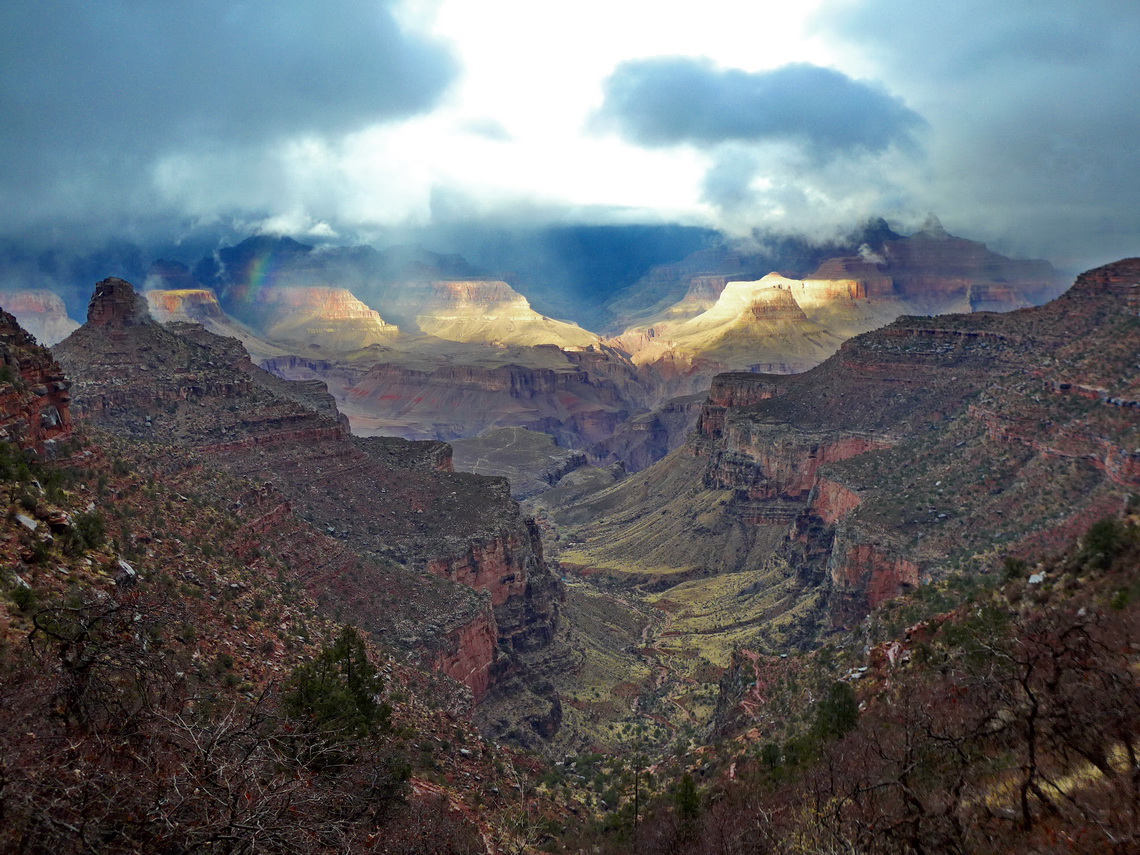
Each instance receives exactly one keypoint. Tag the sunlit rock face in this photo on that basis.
(187, 305)
(332, 318)
(40, 313)
(491, 311)
(757, 325)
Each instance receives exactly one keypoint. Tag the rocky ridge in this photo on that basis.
(35, 397)
(932, 446)
(186, 387)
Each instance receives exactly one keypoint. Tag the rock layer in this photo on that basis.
(182, 385)
(35, 402)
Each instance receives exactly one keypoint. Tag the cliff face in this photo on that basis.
(929, 447)
(184, 386)
(331, 318)
(782, 324)
(186, 305)
(35, 403)
(491, 311)
(41, 313)
(577, 405)
(642, 441)
(974, 421)
(933, 265)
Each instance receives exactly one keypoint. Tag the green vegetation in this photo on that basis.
(338, 692)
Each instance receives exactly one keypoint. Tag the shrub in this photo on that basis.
(338, 692)
(1103, 542)
(837, 713)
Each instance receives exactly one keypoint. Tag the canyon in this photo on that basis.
(277, 377)
(931, 447)
(435, 562)
(424, 346)
(677, 563)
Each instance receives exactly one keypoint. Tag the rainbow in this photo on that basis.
(259, 275)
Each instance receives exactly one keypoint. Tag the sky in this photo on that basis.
(1017, 123)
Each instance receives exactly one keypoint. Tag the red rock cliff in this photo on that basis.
(35, 404)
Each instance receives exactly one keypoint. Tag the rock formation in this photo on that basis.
(929, 447)
(330, 318)
(41, 313)
(183, 386)
(35, 402)
(750, 324)
(493, 312)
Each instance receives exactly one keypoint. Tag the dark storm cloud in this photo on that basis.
(668, 101)
(1032, 107)
(91, 94)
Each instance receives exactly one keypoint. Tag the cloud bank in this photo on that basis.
(673, 100)
(796, 144)
(1032, 108)
(94, 95)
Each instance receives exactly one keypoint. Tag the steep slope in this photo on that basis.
(180, 385)
(35, 398)
(161, 618)
(932, 446)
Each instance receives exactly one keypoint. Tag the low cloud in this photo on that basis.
(667, 101)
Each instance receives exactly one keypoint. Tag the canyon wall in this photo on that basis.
(386, 530)
(40, 313)
(935, 445)
(35, 399)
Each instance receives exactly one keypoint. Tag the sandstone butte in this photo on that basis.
(439, 563)
(933, 446)
(727, 322)
(492, 311)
